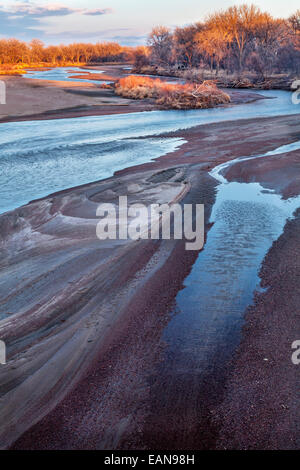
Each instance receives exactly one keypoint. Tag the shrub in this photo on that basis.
(138, 87)
(172, 96)
(191, 96)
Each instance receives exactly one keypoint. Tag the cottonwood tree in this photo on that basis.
(185, 44)
(160, 42)
(213, 41)
(36, 51)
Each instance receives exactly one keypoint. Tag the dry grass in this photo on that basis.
(18, 69)
(8, 69)
(169, 96)
(192, 96)
(138, 87)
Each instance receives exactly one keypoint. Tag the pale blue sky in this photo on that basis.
(125, 21)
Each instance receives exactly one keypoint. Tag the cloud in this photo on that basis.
(16, 25)
(27, 19)
(30, 9)
(129, 40)
(97, 11)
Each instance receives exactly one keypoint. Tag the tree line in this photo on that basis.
(13, 51)
(237, 39)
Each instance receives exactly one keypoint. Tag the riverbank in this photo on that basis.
(279, 81)
(102, 319)
(29, 99)
(36, 99)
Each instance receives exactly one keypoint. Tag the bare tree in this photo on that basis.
(160, 42)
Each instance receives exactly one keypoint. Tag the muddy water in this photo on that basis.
(206, 322)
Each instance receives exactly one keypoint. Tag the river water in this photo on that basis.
(40, 157)
(63, 74)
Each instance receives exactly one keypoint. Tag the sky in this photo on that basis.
(125, 21)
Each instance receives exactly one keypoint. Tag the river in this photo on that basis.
(41, 157)
(64, 74)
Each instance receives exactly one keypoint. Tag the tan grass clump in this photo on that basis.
(172, 96)
(138, 87)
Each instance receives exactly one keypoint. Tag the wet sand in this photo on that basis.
(261, 405)
(29, 99)
(103, 316)
(280, 173)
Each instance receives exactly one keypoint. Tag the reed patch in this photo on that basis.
(172, 96)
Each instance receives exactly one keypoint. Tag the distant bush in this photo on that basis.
(172, 96)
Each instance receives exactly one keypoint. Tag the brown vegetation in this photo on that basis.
(11, 69)
(15, 52)
(169, 96)
(238, 40)
(224, 79)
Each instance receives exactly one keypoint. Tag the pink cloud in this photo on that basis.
(52, 9)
